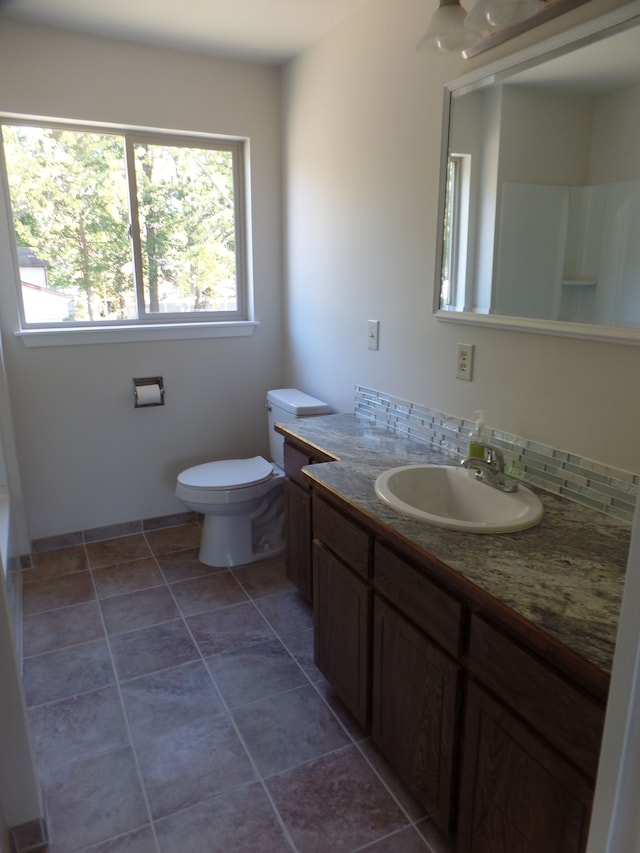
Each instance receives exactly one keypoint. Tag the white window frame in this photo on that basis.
(459, 182)
(148, 327)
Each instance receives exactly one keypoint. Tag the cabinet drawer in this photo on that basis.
(342, 536)
(294, 462)
(566, 717)
(426, 604)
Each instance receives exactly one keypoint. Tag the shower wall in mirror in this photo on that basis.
(541, 221)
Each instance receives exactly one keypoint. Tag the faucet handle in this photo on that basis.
(494, 457)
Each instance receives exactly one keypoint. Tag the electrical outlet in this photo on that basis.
(374, 331)
(464, 365)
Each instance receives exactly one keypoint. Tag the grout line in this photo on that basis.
(277, 635)
(373, 844)
(134, 751)
(258, 776)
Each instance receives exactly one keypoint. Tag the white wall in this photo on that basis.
(614, 149)
(363, 113)
(88, 458)
(545, 136)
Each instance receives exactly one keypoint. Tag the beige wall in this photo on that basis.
(87, 458)
(363, 123)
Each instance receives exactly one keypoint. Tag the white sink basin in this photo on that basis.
(450, 496)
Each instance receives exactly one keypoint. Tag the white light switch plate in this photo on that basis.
(374, 332)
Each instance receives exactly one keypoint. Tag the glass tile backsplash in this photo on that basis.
(590, 483)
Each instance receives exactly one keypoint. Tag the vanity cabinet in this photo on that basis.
(518, 794)
(492, 723)
(416, 681)
(391, 674)
(494, 727)
(531, 747)
(342, 627)
(342, 608)
(415, 710)
(298, 519)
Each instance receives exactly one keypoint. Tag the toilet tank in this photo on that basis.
(289, 404)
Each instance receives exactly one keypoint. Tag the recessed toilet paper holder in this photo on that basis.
(148, 391)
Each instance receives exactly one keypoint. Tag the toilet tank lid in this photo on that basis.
(297, 402)
(227, 473)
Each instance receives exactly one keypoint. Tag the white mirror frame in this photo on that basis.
(577, 37)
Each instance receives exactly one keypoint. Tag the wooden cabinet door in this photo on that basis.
(342, 630)
(518, 795)
(298, 535)
(414, 710)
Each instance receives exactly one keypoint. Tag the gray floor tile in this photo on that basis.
(139, 841)
(68, 626)
(211, 592)
(54, 564)
(335, 803)
(228, 629)
(78, 727)
(152, 649)
(201, 783)
(39, 596)
(287, 613)
(242, 821)
(288, 729)
(156, 703)
(127, 577)
(267, 577)
(405, 841)
(110, 552)
(93, 800)
(255, 672)
(300, 645)
(183, 565)
(191, 762)
(169, 539)
(138, 610)
(66, 672)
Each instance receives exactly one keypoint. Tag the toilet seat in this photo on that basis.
(227, 474)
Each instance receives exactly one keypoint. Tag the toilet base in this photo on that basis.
(229, 540)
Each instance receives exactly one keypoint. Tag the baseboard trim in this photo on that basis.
(30, 837)
(111, 531)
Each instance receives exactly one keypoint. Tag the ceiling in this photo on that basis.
(271, 31)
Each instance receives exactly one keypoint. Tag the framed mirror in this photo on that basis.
(540, 187)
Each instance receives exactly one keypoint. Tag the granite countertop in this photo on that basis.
(566, 575)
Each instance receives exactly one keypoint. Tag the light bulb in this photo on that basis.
(446, 31)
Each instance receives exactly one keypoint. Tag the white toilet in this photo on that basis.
(242, 500)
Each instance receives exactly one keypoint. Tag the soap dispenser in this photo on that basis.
(478, 438)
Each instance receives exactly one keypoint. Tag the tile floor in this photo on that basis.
(176, 708)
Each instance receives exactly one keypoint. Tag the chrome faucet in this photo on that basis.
(490, 470)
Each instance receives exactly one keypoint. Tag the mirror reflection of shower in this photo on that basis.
(542, 210)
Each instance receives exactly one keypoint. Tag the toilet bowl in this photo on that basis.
(242, 500)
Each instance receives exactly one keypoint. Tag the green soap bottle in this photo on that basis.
(477, 438)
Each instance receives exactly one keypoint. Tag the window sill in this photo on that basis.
(134, 334)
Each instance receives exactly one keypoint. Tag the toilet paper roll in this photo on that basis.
(149, 395)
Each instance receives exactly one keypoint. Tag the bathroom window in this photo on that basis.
(456, 232)
(126, 228)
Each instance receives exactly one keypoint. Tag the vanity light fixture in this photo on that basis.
(446, 31)
(451, 28)
(495, 14)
